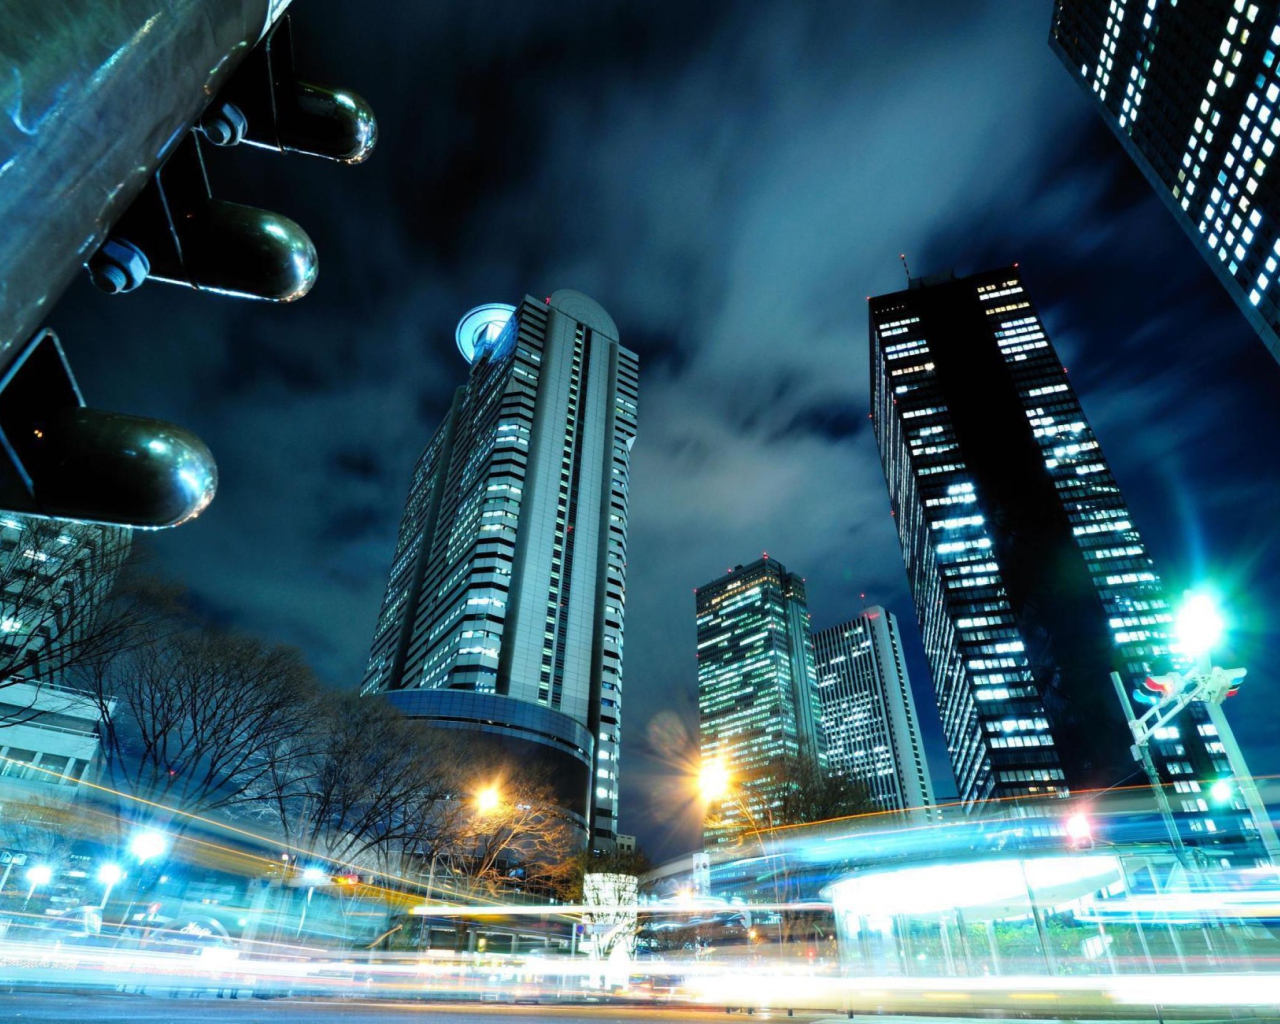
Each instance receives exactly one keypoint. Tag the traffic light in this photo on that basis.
(1155, 689)
(1222, 683)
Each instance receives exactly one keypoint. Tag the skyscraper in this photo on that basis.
(504, 611)
(1191, 91)
(868, 712)
(54, 576)
(757, 691)
(1030, 579)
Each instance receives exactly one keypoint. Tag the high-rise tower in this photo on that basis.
(1030, 579)
(1192, 90)
(757, 691)
(869, 714)
(504, 611)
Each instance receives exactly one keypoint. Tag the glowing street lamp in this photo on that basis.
(488, 800)
(37, 875)
(1080, 831)
(714, 780)
(109, 875)
(1199, 626)
(315, 876)
(148, 845)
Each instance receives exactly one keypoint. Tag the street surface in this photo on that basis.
(111, 1009)
(115, 1009)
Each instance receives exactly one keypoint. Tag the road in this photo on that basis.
(116, 1009)
(29, 1008)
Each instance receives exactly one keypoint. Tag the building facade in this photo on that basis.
(1191, 90)
(1030, 579)
(757, 689)
(49, 742)
(868, 712)
(503, 615)
(54, 576)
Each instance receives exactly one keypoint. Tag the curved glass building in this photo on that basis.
(503, 615)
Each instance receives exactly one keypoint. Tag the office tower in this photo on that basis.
(1191, 90)
(54, 576)
(503, 615)
(1030, 579)
(757, 693)
(869, 714)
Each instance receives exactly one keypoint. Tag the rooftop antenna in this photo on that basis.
(864, 601)
(903, 256)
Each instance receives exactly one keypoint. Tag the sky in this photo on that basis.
(731, 181)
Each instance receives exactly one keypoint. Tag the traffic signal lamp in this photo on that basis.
(1164, 687)
(1223, 683)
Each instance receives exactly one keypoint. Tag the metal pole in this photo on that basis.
(1049, 962)
(1244, 782)
(1141, 754)
(1134, 919)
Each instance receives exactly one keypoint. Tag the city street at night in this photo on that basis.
(769, 510)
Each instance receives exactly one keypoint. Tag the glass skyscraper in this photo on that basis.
(504, 611)
(868, 713)
(1192, 91)
(757, 691)
(1030, 580)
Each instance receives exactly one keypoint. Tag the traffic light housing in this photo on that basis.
(1155, 689)
(1222, 683)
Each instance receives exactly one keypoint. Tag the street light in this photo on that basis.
(109, 874)
(148, 845)
(1199, 626)
(713, 780)
(488, 800)
(37, 875)
(1080, 831)
(315, 876)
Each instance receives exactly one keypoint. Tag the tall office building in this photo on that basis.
(869, 714)
(504, 611)
(1191, 90)
(1030, 580)
(757, 692)
(54, 575)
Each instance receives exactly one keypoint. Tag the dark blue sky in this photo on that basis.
(730, 181)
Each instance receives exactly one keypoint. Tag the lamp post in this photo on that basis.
(109, 875)
(1199, 628)
(37, 875)
(311, 877)
(716, 783)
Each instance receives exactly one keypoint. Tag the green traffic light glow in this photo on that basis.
(1220, 791)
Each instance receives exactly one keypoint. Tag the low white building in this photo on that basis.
(48, 739)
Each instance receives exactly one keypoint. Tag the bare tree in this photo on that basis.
(523, 841)
(193, 721)
(361, 786)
